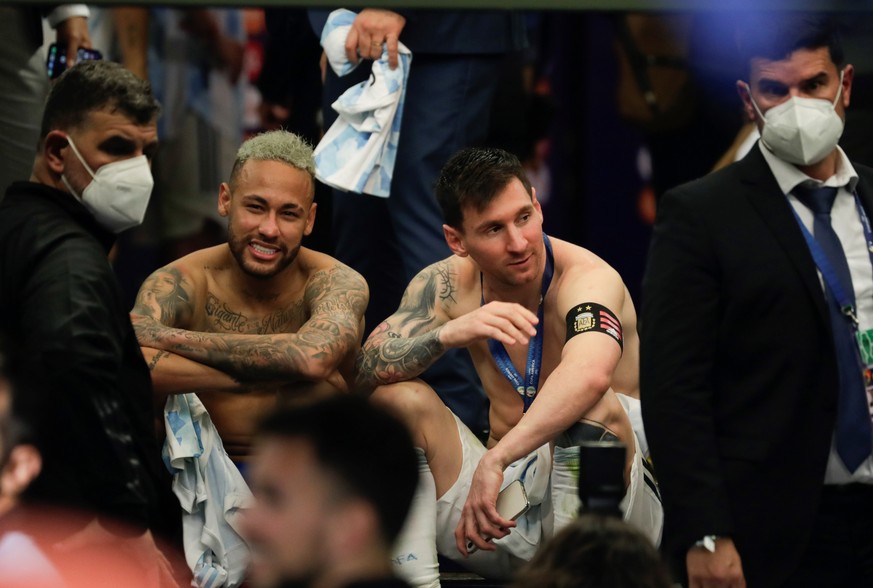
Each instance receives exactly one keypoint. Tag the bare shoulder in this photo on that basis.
(327, 277)
(197, 265)
(172, 292)
(451, 285)
(201, 270)
(582, 276)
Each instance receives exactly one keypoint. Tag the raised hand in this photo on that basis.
(507, 322)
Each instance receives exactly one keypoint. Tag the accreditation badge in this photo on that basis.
(865, 347)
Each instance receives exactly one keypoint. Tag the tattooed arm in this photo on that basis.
(174, 374)
(165, 297)
(414, 337)
(407, 343)
(336, 299)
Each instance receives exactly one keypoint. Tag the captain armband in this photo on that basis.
(590, 316)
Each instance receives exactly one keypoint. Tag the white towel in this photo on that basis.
(358, 151)
(211, 491)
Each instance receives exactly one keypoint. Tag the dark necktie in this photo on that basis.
(854, 439)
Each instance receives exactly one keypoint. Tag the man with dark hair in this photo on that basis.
(457, 59)
(596, 551)
(551, 330)
(333, 480)
(756, 330)
(84, 385)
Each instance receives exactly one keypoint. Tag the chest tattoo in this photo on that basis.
(227, 320)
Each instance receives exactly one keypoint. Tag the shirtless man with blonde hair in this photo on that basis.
(551, 329)
(261, 318)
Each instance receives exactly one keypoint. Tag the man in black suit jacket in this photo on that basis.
(739, 375)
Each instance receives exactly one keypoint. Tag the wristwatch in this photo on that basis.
(708, 543)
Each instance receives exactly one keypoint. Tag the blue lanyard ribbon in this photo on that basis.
(845, 300)
(526, 388)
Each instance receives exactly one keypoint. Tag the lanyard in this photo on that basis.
(845, 300)
(527, 388)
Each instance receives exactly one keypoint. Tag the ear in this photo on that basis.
(53, 150)
(455, 241)
(848, 77)
(224, 197)
(534, 201)
(746, 97)
(23, 466)
(310, 219)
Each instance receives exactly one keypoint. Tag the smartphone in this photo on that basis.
(56, 60)
(512, 502)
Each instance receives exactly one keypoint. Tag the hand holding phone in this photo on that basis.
(512, 502)
(56, 60)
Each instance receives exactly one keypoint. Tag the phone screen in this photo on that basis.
(56, 60)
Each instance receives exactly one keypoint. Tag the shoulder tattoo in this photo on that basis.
(163, 297)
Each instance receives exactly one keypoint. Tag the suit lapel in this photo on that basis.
(767, 199)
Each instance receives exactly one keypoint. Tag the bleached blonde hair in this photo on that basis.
(281, 146)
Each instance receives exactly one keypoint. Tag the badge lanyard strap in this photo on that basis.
(526, 388)
(865, 223)
(846, 301)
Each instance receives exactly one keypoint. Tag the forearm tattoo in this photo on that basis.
(335, 299)
(156, 359)
(395, 354)
(397, 358)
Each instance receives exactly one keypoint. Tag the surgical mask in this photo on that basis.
(119, 193)
(802, 131)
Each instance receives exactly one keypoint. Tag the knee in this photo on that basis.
(585, 431)
(407, 398)
(412, 401)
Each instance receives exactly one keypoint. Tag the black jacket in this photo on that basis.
(737, 368)
(82, 383)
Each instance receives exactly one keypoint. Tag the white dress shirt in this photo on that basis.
(847, 225)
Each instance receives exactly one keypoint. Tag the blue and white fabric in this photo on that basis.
(357, 153)
(211, 491)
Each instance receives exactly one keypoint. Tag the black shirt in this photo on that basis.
(82, 384)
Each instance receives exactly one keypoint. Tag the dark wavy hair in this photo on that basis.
(364, 447)
(596, 551)
(473, 177)
(775, 36)
(90, 86)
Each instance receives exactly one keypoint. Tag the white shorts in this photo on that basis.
(553, 504)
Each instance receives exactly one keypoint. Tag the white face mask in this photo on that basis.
(801, 131)
(119, 193)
